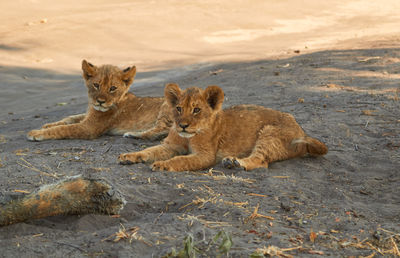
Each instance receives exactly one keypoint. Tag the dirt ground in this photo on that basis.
(346, 203)
(334, 65)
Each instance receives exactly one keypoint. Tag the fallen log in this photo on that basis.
(71, 196)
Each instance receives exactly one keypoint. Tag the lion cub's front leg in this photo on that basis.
(66, 121)
(185, 163)
(149, 155)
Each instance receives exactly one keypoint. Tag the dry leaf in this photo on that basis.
(365, 60)
(334, 86)
(20, 152)
(179, 186)
(283, 66)
(216, 72)
(368, 112)
(280, 176)
(255, 194)
(313, 236)
(21, 191)
(315, 252)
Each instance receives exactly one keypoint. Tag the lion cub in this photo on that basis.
(112, 110)
(246, 136)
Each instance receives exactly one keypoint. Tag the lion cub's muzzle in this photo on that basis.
(99, 105)
(182, 130)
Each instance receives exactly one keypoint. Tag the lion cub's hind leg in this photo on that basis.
(271, 145)
(66, 121)
(155, 133)
(159, 131)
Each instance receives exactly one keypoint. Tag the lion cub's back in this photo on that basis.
(242, 124)
(139, 114)
(253, 115)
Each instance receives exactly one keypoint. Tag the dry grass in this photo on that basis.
(386, 247)
(222, 176)
(31, 167)
(256, 215)
(127, 234)
(274, 251)
(200, 202)
(207, 223)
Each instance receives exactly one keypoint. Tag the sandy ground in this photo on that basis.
(342, 85)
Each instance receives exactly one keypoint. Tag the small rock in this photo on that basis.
(286, 204)
(378, 235)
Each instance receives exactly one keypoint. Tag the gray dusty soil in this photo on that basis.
(346, 203)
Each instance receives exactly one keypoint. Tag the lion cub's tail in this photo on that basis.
(313, 146)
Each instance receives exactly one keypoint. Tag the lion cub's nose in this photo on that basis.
(183, 125)
(101, 101)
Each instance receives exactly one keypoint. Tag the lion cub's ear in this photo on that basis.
(172, 93)
(214, 96)
(89, 70)
(128, 74)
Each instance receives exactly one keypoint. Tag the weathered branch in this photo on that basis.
(73, 195)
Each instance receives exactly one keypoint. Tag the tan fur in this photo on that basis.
(112, 109)
(246, 136)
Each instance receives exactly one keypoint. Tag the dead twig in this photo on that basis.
(258, 195)
(275, 251)
(255, 215)
(30, 166)
(207, 223)
(71, 245)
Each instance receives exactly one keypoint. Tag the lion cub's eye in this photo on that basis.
(113, 88)
(179, 109)
(96, 85)
(196, 110)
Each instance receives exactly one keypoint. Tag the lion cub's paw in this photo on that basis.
(45, 126)
(35, 136)
(230, 162)
(246, 164)
(131, 158)
(162, 166)
(134, 135)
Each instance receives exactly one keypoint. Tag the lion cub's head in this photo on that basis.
(106, 84)
(194, 109)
